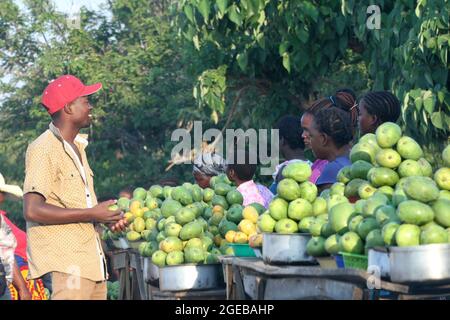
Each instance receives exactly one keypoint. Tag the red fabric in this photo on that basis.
(21, 237)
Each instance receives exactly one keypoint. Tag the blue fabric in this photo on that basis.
(273, 187)
(331, 170)
(6, 295)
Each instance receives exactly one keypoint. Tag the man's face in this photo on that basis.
(81, 112)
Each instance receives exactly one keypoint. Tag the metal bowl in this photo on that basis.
(135, 244)
(151, 271)
(121, 243)
(191, 277)
(378, 262)
(286, 248)
(420, 264)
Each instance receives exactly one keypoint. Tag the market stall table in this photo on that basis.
(121, 263)
(252, 278)
(155, 294)
(138, 286)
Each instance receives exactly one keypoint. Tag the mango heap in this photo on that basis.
(400, 199)
(296, 205)
(188, 224)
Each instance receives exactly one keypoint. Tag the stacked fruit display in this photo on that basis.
(296, 207)
(401, 202)
(188, 224)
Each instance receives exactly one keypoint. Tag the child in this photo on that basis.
(242, 175)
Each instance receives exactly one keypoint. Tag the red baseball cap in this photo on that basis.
(64, 90)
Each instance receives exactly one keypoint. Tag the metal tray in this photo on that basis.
(191, 277)
(151, 271)
(286, 248)
(420, 264)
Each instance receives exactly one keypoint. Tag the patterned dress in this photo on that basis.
(253, 192)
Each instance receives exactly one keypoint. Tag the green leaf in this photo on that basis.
(429, 101)
(443, 39)
(234, 15)
(242, 60)
(196, 41)
(310, 10)
(189, 12)
(204, 8)
(283, 47)
(215, 117)
(437, 120)
(302, 34)
(222, 5)
(340, 25)
(418, 102)
(286, 62)
(441, 96)
(415, 93)
(261, 39)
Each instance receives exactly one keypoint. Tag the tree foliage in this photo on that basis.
(231, 64)
(298, 40)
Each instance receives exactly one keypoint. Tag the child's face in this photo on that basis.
(231, 174)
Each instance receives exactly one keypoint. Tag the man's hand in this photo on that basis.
(101, 213)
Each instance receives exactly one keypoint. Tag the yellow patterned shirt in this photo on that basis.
(53, 170)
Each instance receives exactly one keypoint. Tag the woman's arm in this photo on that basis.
(20, 284)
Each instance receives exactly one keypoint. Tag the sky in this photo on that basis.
(65, 6)
(71, 6)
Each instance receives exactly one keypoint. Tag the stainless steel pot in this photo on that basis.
(421, 264)
(190, 277)
(151, 271)
(378, 262)
(286, 248)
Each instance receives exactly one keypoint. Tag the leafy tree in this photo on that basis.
(294, 43)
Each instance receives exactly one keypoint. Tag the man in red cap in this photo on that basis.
(60, 204)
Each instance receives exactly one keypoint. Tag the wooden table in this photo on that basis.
(251, 278)
(121, 263)
(138, 286)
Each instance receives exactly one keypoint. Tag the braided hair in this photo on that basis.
(291, 131)
(382, 104)
(343, 99)
(335, 123)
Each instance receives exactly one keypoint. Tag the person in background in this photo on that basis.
(344, 100)
(34, 287)
(206, 166)
(330, 135)
(13, 276)
(376, 108)
(291, 146)
(126, 193)
(242, 175)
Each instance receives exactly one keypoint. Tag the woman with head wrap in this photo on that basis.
(206, 166)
